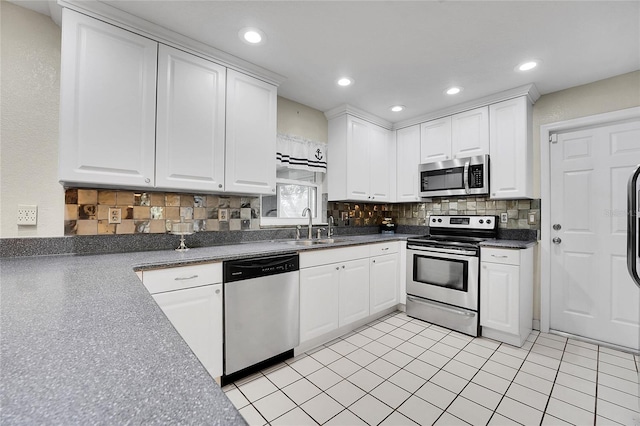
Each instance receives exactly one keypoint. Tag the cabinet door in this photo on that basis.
(408, 159)
(250, 165)
(319, 287)
(499, 297)
(381, 163)
(358, 140)
(107, 104)
(196, 313)
(470, 133)
(354, 291)
(511, 149)
(384, 282)
(435, 140)
(190, 125)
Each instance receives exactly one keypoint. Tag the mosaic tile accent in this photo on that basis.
(87, 212)
(359, 214)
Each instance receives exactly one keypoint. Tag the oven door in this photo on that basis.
(443, 276)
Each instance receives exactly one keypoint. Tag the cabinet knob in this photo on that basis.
(337, 268)
(557, 240)
(218, 291)
(374, 261)
(342, 266)
(219, 185)
(147, 180)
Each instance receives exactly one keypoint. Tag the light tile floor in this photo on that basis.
(402, 371)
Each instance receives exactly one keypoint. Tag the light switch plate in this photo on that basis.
(27, 215)
(504, 218)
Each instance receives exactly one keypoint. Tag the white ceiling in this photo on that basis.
(408, 52)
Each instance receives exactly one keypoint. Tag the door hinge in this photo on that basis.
(553, 138)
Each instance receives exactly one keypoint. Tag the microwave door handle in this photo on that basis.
(466, 177)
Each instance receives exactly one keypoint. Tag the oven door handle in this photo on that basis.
(442, 250)
(440, 306)
(466, 177)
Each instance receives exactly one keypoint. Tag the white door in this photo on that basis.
(190, 135)
(499, 297)
(354, 291)
(592, 295)
(107, 104)
(470, 133)
(384, 282)
(250, 150)
(435, 140)
(319, 289)
(408, 159)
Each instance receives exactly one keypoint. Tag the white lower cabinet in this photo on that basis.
(354, 291)
(191, 298)
(319, 293)
(506, 294)
(384, 282)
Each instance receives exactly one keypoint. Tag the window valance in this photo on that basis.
(295, 152)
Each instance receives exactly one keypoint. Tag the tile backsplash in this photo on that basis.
(359, 214)
(87, 212)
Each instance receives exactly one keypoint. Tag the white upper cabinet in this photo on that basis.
(361, 165)
(470, 133)
(107, 104)
(461, 135)
(510, 129)
(250, 165)
(408, 160)
(190, 136)
(435, 140)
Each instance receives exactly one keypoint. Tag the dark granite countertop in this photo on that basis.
(514, 244)
(83, 342)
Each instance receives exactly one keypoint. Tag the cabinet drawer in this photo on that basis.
(383, 248)
(169, 279)
(312, 258)
(499, 255)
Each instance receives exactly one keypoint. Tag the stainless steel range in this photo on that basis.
(443, 271)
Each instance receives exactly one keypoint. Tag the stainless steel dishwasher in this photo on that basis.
(261, 312)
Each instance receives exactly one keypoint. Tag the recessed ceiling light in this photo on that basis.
(397, 108)
(453, 90)
(252, 36)
(527, 66)
(345, 81)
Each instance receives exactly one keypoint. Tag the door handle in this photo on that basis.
(557, 240)
(633, 245)
(466, 177)
(557, 227)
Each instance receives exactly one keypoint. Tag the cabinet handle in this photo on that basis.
(186, 278)
(499, 256)
(385, 249)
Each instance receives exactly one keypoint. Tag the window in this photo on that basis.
(295, 191)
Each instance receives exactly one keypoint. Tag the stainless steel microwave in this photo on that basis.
(462, 176)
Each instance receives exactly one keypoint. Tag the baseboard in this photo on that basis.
(536, 324)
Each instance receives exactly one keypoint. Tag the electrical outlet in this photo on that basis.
(504, 218)
(531, 218)
(27, 215)
(115, 215)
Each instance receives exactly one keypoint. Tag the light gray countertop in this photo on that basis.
(83, 342)
(514, 244)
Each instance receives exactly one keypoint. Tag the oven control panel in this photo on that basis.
(464, 222)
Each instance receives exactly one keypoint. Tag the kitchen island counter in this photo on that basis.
(84, 342)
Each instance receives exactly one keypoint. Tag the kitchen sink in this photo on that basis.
(314, 242)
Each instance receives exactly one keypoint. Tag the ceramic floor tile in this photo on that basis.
(576, 370)
(448, 419)
(306, 366)
(573, 382)
(533, 382)
(398, 358)
(390, 394)
(358, 340)
(491, 381)
(376, 348)
(433, 334)
(500, 370)
(519, 412)
(539, 370)
(395, 419)
(365, 379)
(470, 359)
(574, 397)
(505, 359)
(547, 351)
(372, 333)
(616, 352)
(479, 350)
(483, 396)
(410, 349)
(460, 369)
(361, 357)
(283, 376)
(390, 340)
(344, 418)
(618, 383)
(616, 360)
(444, 349)
(257, 388)
(618, 414)
(620, 372)
(569, 413)
(543, 360)
(396, 321)
(422, 341)
(582, 351)
(301, 391)
(449, 381)
(345, 392)
(513, 351)
(580, 360)
(326, 356)
(343, 347)
(402, 334)
(344, 367)
(421, 369)
(603, 421)
(617, 397)
(487, 343)
(237, 398)
(295, 417)
(436, 395)
(407, 380)
(252, 416)
(384, 327)
(413, 327)
(549, 420)
(586, 345)
(420, 411)
(434, 358)
(324, 378)
(469, 411)
(550, 342)
(322, 407)
(370, 409)
(274, 405)
(456, 342)
(382, 368)
(527, 396)
(500, 420)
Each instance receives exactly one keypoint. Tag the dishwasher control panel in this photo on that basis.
(244, 269)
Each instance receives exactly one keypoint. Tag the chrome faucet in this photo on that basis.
(331, 225)
(304, 213)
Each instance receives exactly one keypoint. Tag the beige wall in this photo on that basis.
(29, 93)
(301, 120)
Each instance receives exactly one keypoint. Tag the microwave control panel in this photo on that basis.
(476, 176)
